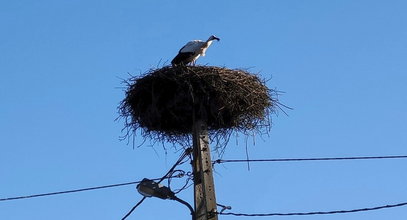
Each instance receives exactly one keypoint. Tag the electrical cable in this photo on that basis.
(70, 191)
(219, 161)
(134, 207)
(180, 173)
(79, 190)
(185, 186)
(179, 161)
(167, 175)
(315, 213)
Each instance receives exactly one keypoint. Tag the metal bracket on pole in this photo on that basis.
(204, 188)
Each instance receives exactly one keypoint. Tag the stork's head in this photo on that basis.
(213, 37)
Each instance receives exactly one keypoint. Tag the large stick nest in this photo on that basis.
(163, 102)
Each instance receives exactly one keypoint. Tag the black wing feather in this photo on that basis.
(183, 58)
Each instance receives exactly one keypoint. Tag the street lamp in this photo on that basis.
(149, 188)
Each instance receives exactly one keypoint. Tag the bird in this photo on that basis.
(192, 51)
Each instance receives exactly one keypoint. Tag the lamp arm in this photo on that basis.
(186, 204)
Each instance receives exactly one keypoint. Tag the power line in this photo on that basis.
(134, 207)
(315, 213)
(168, 175)
(310, 159)
(69, 191)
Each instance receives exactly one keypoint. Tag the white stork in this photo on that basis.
(192, 51)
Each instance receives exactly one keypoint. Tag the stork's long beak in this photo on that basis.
(213, 37)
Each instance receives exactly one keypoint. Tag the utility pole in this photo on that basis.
(204, 188)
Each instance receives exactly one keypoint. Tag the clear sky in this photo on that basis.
(341, 63)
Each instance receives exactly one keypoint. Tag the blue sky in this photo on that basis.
(342, 66)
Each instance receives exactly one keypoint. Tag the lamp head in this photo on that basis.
(149, 188)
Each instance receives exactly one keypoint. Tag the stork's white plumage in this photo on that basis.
(192, 51)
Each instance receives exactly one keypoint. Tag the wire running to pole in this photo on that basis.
(167, 175)
(70, 191)
(310, 159)
(315, 213)
(134, 207)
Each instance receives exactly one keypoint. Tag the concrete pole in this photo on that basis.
(204, 188)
